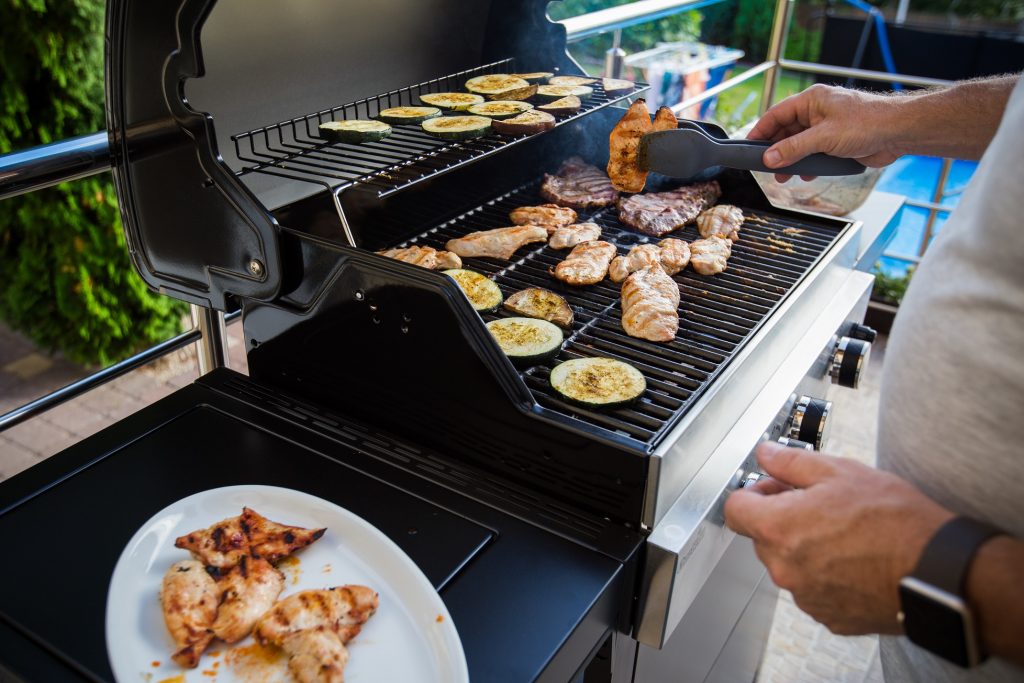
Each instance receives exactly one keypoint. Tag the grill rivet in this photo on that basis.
(376, 320)
(359, 295)
(405, 329)
(256, 268)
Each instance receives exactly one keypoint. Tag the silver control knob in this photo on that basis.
(849, 359)
(810, 421)
(795, 443)
(751, 478)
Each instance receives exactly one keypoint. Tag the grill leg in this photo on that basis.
(212, 347)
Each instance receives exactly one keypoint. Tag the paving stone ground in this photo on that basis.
(799, 650)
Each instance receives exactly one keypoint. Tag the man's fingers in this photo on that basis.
(743, 510)
(794, 466)
(768, 486)
(794, 148)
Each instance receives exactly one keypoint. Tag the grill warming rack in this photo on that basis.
(718, 314)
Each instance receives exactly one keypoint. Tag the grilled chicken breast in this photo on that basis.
(650, 305)
(427, 257)
(343, 610)
(708, 256)
(273, 541)
(723, 220)
(316, 655)
(675, 254)
(640, 256)
(567, 236)
(222, 545)
(247, 591)
(586, 264)
(189, 598)
(497, 243)
(551, 216)
(624, 144)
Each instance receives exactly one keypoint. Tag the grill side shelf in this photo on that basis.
(293, 149)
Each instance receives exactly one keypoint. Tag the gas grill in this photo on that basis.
(567, 543)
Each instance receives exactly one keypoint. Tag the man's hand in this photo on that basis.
(836, 121)
(837, 534)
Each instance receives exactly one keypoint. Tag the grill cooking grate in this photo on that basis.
(717, 313)
(292, 149)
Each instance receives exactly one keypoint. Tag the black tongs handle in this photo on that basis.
(748, 154)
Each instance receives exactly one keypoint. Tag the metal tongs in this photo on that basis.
(687, 151)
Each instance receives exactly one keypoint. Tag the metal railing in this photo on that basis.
(47, 165)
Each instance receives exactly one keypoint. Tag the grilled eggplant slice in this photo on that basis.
(454, 101)
(526, 123)
(535, 302)
(355, 131)
(493, 84)
(457, 127)
(563, 106)
(571, 80)
(500, 109)
(616, 86)
(400, 115)
(598, 382)
(526, 341)
(482, 292)
(517, 94)
(557, 92)
(535, 76)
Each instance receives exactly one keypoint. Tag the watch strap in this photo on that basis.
(948, 555)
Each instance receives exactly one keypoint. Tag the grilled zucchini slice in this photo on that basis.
(404, 115)
(526, 341)
(457, 127)
(482, 292)
(500, 109)
(535, 76)
(571, 80)
(355, 131)
(527, 123)
(616, 86)
(598, 382)
(455, 101)
(492, 84)
(563, 107)
(535, 302)
(557, 92)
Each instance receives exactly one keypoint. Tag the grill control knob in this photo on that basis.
(751, 478)
(862, 332)
(796, 443)
(849, 359)
(810, 421)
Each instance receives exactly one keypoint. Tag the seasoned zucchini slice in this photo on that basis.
(493, 84)
(562, 107)
(616, 86)
(500, 109)
(535, 302)
(457, 127)
(400, 115)
(526, 341)
(482, 292)
(355, 131)
(526, 123)
(571, 80)
(557, 92)
(598, 382)
(455, 101)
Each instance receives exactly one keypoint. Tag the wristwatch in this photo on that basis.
(934, 612)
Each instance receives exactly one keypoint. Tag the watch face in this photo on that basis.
(938, 621)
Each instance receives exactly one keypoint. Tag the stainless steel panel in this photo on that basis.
(743, 653)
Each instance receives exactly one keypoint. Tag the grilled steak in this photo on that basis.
(586, 264)
(650, 305)
(723, 220)
(660, 213)
(579, 185)
(571, 235)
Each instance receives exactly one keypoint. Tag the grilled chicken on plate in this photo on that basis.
(497, 243)
(650, 305)
(247, 591)
(222, 545)
(708, 256)
(189, 597)
(316, 655)
(723, 220)
(551, 216)
(586, 264)
(568, 236)
(427, 257)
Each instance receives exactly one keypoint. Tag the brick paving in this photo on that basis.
(799, 650)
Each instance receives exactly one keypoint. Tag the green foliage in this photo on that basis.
(891, 289)
(67, 280)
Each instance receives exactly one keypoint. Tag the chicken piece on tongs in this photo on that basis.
(586, 264)
(568, 236)
(723, 220)
(497, 243)
(426, 257)
(650, 305)
(709, 256)
(550, 216)
(247, 592)
(189, 597)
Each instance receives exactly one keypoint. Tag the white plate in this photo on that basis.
(411, 638)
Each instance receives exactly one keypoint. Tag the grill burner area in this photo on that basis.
(718, 314)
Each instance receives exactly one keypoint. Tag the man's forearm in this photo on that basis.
(956, 121)
(994, 592)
